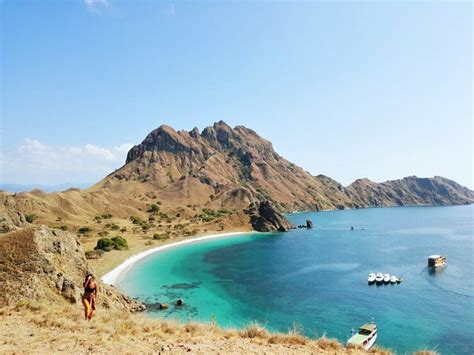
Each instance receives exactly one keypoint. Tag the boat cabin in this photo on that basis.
(367, 329)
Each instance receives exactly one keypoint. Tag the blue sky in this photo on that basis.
(346, 89)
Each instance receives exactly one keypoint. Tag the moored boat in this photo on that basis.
(393, 279)
(366, 336)
(436, 261)
(379, 278)
(371, 278)
(386, 278)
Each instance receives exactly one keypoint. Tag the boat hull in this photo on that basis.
(370, 343)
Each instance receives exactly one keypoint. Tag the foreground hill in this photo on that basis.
(41, 272)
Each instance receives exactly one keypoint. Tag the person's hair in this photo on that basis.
(87, 276)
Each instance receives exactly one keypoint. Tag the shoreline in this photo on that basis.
(113, 276)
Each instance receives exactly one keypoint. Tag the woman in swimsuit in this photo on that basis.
(90, 296)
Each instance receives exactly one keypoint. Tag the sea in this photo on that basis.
(315, 280)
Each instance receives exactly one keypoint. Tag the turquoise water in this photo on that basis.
(318, 278)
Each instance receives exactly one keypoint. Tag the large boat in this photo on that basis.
(365, 337)
(436, 260)
(371, 278)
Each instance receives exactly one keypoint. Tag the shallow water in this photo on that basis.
(318, 278)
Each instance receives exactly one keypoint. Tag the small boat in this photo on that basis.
(379, 278)
(399, 280)
(371, 278)
(435, 261)
(393, 279)
(365, 337)
(386, 278)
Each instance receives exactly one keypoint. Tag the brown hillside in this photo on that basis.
(204, 181)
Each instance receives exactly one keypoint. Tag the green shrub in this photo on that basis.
(84, 230)
(30, 217)
(135, 220)
(105, 244)
(120, 243)
(157, 236)
(154, 208)
(114, 227)
(123, 230)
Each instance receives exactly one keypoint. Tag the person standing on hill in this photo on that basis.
(90, 296)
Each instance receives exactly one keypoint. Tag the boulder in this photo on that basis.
(94, 254)
(265, 218)
(68, 291)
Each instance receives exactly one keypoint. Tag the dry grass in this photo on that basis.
(425, 352)
(29, 326)
(255, 330)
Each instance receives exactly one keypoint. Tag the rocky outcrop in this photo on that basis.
(38, 263)
(265, 218)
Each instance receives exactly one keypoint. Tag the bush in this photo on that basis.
(120, 243)
(135, 220)
(30, 217)
(157, 236)
(84, 230)
(106, 244)
(62, 227)
(154, 208)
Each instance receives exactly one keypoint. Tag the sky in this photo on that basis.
(351, 89)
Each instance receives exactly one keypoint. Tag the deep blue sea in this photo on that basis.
(317, 278)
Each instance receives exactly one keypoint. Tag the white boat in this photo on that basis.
(393, 279)
(386, 278)
(365, 337)
(379, 278)
(371, 278)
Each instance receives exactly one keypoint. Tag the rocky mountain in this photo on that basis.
(234, 167)
(210, 180)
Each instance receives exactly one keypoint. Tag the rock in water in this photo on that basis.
(309, 224)
(265, 218)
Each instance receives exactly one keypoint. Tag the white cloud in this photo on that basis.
(36, 162)
(95, 5)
